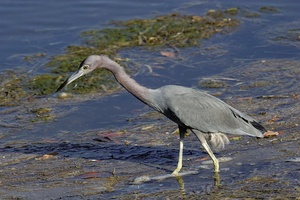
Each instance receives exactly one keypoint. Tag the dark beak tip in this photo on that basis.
(58, 90)
(62, 86)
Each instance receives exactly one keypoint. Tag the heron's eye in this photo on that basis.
(85, 67)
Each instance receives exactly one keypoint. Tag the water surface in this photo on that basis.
(97, 147)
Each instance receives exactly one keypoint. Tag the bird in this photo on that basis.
(207, 116)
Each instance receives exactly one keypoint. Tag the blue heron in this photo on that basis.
(208, 117)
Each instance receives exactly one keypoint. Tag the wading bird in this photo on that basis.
(208, 117)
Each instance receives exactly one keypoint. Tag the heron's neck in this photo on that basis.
(140, 92)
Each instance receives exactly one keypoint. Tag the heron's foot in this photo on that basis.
(217, 179)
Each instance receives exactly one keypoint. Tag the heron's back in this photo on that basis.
(195, 109)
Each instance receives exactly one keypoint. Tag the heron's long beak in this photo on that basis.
(72, 78)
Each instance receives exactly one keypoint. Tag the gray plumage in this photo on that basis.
(208, 117)
(194, 109)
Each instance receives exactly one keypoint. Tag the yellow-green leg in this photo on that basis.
(179, 165)
(202, 139)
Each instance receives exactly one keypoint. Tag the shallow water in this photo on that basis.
(96, 148)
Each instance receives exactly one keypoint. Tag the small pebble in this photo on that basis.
(64, 95)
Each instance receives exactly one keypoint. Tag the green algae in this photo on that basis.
(33, 57)
(42, 114)
(42, 84)
(174, 29)
(11, 90)
(212, 84)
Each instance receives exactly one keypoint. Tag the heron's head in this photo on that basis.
(88, 65)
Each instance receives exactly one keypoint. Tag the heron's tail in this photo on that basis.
(259, 127)
(217, 140)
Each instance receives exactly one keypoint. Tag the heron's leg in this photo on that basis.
(179, 165)
(202, 139)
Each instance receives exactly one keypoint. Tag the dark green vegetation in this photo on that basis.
(268, 9)
(173, 30)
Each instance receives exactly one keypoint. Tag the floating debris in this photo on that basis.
(270, 134)
(268, 9)
(143, 179)
(47, 156)
(221, 159)
(297, 159)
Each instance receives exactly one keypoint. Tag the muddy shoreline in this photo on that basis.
(104, 163)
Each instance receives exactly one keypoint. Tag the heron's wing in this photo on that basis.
(201, 111)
